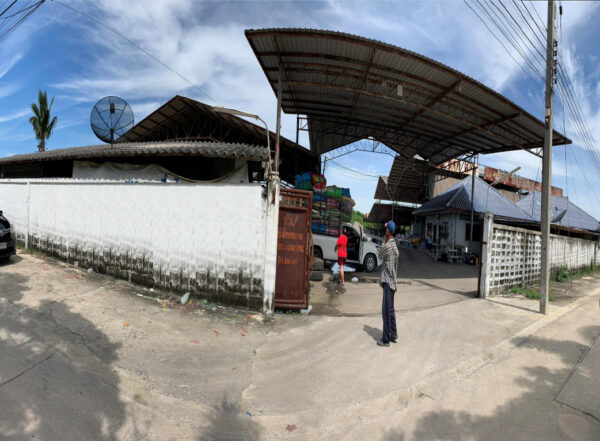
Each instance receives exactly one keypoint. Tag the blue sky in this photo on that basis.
(78, 62)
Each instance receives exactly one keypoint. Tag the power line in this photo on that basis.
(340, 166)
(504, 24)
(512, 39)
(498, 39)
(567, 93)
(158, 60)
(9, 23)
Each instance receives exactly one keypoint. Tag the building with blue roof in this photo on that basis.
(446, 219)
(563, 213)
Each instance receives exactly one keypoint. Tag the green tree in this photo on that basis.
(42, 124)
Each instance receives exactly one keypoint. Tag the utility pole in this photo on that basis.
(547, 159)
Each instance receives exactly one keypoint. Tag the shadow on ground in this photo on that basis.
(374, 333)
(7, 262)
(228, 421)
(522, 418)
(55, 379)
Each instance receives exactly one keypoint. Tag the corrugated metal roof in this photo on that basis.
(486, 199)
(185, 118)
(132, 149)
(347, 87)
(408, 180)
(562, 212)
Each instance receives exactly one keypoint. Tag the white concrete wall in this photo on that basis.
(514, 256)
(208, 239)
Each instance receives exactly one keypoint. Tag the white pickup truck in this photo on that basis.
(362, 250)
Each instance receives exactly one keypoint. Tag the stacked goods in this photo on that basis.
(332, 206)
(319, 203)
(346, 205)
(303, 182)
(319, 209)
(318, 181)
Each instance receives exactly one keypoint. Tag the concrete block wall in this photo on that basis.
(514, 256)
(208, 239)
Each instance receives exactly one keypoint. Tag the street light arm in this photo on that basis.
(506, 175)
(236, 112)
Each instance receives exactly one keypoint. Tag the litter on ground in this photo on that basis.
(306, 311)
(347, 269)
(184, 298)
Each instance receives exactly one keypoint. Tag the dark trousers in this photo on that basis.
(388, 314)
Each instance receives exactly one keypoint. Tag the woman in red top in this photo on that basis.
(340, 247)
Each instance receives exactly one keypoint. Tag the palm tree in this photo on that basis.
(41, 122)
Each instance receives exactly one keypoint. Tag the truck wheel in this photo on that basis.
(317, 264)
(370, 263)
(318, 253)
(316, 276)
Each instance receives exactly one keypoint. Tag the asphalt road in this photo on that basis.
(85, 357)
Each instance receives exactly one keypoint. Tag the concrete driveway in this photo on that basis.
(422, 283)
(87, 357)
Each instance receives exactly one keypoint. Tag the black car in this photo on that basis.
(7, 238)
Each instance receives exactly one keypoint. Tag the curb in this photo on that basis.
(500, 350)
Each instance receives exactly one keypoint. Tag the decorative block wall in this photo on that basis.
(515, 256)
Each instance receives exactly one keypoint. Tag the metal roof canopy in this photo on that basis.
(352, 88)
(381, 213)
(407, 181)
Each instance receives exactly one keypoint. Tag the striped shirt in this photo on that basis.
(388, 254)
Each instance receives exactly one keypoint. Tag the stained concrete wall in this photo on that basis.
(208, 239)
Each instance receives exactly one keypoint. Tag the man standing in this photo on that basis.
(388, 254)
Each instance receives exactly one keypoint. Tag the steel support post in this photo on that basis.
(473, 170)
(278, 129)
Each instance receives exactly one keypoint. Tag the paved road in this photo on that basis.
(84, 357)
(422, 283)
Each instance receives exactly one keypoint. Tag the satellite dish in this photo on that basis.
(111, 118)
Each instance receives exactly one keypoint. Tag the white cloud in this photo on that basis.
(7, 65)
(15, 115)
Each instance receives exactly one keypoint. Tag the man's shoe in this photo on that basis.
(380, 343)
(394, 340)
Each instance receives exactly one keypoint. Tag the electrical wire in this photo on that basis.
(507, 35)
(503, 23)
(134, 44)
(500, 41)
(10, 23)
(337, 164)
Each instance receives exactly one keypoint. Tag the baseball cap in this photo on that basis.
(390, 225)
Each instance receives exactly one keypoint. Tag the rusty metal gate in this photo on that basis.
(293, 247)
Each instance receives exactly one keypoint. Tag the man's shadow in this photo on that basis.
(373, 332)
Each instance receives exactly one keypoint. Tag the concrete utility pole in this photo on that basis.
(547, 160)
